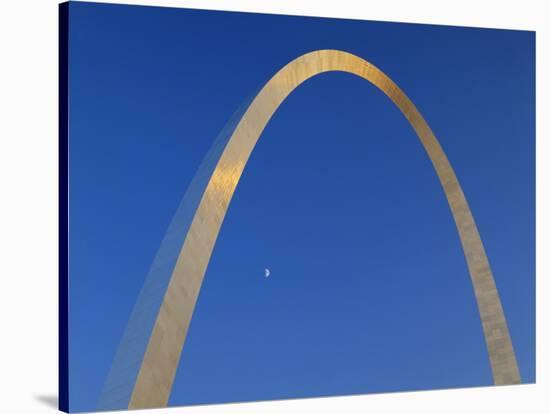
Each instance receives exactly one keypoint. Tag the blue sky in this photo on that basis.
(369, 290)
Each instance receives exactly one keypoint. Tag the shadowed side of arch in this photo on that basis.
(156, 375)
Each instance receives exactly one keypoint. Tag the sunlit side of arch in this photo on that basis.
(156, 375)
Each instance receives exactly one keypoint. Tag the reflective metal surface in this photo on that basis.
(156, 375)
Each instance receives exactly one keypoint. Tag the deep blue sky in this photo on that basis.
(369, 290)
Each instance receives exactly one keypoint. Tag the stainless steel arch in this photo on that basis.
(156, 374)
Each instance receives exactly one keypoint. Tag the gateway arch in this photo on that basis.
(145, 365)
